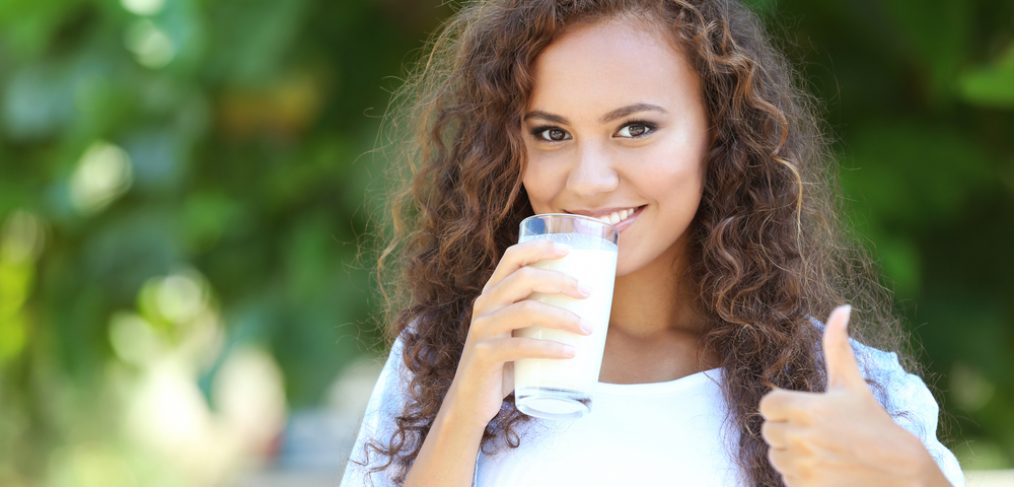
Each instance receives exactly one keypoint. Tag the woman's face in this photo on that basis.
(616, 121)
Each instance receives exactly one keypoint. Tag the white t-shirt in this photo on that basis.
(663, 433)
(635, 434)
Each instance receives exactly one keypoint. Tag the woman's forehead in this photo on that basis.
(608, 63)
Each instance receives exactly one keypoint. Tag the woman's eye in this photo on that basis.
(550, 134)
(631, 130)
(634, 130)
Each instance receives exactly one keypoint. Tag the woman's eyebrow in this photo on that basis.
(613, 115)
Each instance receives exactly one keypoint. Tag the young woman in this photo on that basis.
(680, 117)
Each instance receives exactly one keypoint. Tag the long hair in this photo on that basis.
(767, 247)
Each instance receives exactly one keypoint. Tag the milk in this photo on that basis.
(592, 261)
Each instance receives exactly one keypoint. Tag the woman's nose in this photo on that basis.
(592, 174)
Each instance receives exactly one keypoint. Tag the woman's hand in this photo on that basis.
(485, 374)
(842, 437)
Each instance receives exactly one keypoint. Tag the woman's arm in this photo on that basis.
(908, 394)
(932, 475)
(447, 457)
(448, 454)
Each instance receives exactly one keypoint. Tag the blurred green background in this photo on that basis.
(187, 195)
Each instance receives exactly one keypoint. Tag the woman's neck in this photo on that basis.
(654, 327)
(655, 301)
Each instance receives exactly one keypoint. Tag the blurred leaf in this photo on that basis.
(991, 85)
(207, 216)
(251, 38)
(38, 102)
(937, 31)
(914, 172)
(28, 26)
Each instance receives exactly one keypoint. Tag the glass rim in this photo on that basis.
(572, 215)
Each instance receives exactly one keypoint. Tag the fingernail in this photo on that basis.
(586, 328)
(560, 248)
(584, 291)
(846, 309)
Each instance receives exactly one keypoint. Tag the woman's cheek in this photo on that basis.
(538, 187)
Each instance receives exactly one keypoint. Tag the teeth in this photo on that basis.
(617, 216)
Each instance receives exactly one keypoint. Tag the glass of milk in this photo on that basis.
(561, 388)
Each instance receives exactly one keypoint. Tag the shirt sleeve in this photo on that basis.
(908, 395)
(386, 402)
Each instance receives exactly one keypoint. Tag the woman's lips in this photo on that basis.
(629, 220)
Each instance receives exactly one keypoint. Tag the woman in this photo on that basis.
(715, 372)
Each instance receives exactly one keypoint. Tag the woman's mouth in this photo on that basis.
(623, 218)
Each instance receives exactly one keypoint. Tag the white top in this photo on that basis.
(637, 434)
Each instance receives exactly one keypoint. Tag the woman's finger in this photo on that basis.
(791, 481)
(527, 280)
(775, 433)
(792, 406)
(795, 462)
(782, 461)
(503, 321)
(522, 254)
(508, 349)
(520, 284)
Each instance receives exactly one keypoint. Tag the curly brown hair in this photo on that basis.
(767, 249)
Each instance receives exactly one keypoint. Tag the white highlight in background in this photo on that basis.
(143, 7)
(152, 46)
(102, 174)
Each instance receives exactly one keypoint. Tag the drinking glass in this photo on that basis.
(561, 388)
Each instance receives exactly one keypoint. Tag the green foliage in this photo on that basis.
(186, 179)
(918, 96)
(179, 179)
(990, 86)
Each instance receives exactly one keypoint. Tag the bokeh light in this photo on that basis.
(102, 174)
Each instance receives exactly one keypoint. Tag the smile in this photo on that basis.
(619, 218)
(629, 216)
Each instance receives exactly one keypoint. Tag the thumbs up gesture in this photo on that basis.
(843, 436)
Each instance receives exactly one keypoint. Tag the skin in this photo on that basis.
(653, 157)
